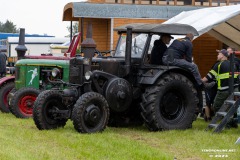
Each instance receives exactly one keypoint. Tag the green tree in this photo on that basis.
(8, 27)
(74, 29)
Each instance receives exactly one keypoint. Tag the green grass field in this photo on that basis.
(21, 140)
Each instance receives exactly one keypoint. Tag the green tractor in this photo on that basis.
(123, 88)
(33, 74)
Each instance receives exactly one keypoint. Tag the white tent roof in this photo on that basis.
(223, 23)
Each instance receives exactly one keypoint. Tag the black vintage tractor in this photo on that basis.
(123, 88)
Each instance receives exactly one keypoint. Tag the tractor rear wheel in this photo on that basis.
(170, 104)
(22, 102)
(46, 108)
(4, 91)
(90, 113)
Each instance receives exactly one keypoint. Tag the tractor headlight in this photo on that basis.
(86, 61)
(55, 72)
(88, 75)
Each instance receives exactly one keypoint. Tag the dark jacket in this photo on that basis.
(220, 72)
(157, 52)
(181, 49)
(237, 63)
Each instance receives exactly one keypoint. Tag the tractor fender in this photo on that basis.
(98, 75)
(152, 75)
(6, 80)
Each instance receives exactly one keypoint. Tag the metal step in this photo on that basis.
(229, 102)
(236, 94)
(212, 125)
(221, 113)
(225, 113)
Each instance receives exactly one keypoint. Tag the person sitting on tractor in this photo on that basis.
(179, 53)
(160, 46)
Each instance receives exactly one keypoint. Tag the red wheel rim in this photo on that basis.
(26, 104)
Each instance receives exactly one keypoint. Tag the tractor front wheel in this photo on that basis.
(47, 110)
(90, 113)
(22, 102)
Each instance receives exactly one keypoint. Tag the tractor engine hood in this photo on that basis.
(109, 65)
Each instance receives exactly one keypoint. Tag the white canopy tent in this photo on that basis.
(223, 23)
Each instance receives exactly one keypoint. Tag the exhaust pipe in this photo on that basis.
(128, 51)
(88, 45)
(21, 48)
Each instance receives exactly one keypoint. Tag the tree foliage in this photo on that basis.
(8, 27)
(74, 29)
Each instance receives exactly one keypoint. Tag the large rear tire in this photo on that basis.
(22, 102)
(4, 91)
(170, 104)
(90, 113)
(43, 110)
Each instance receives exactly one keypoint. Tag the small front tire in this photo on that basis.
(90, 113)
(44, 109)
(22, 102)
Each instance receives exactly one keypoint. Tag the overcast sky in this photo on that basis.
(36, 16)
